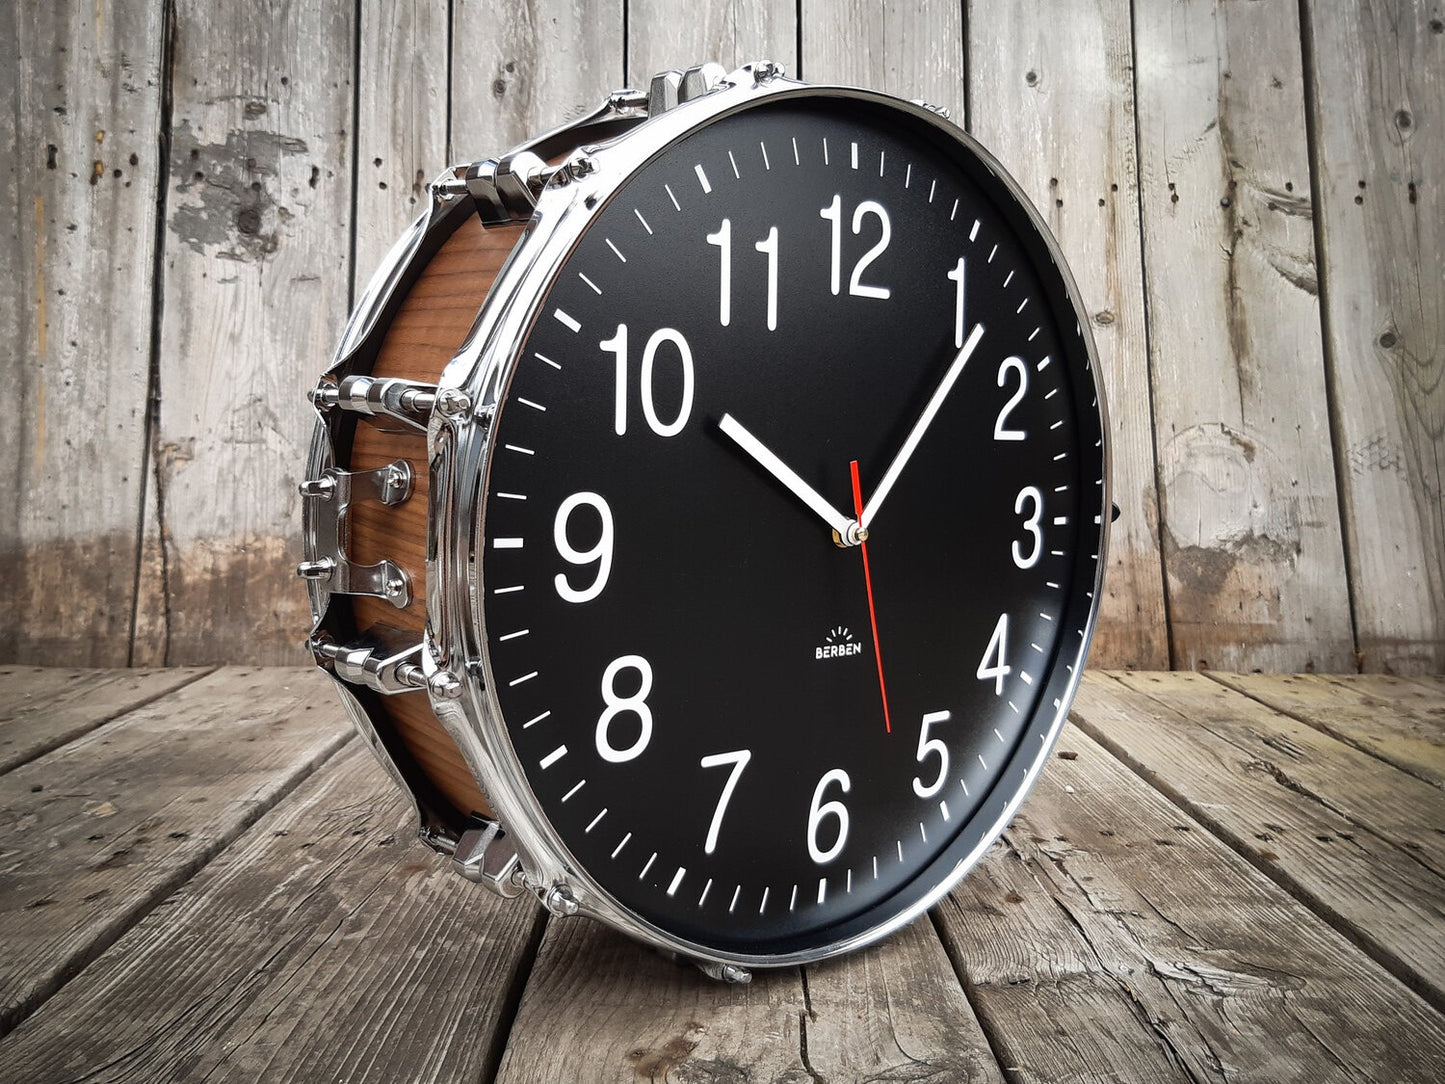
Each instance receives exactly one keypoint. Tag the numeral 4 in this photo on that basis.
(993, 664)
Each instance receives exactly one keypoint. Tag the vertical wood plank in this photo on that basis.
(1051, 93)
(663, 34)
(401, 126)
(911, 50)
(1376, 90)
(401, 133)
(257, 266)
(521, 69)
(1252, 542)
(82, 83)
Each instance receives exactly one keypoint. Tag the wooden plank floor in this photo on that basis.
(204, 875)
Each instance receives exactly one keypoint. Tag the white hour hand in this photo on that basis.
(843, 525)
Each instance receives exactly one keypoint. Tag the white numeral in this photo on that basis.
(1031, 524)
(1011, 365)
(956, 275)
(855, 285)
(601, 552)
(833, 213)
(739, 761)
(833, 808)
(616, 705)
(724, 241)
(617, 345)
(993, 664)
(931, 747)
(768, 246)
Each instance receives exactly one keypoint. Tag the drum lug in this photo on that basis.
(407, 401)
(328, 498)
(385, 661)
(484, 855)
(505, 189)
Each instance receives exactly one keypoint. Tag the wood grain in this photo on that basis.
(99, 832)
(521, 69)
(325, 944)
(401, 123)
(42, 709)
(913, 51)
(601, 1008)
(1109, 938)
(1251, 525)
(1406, 811)
(81, 82)
(430, 325)
(673, 34)
(1377, 80)
(1239, 779)
(1051, 93)
(257, 268)
(1401, 722)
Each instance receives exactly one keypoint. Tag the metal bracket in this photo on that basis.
(407, 401)
(384, 661)
(671, 88)
(484, 855)
(331, 495)
(505, 189)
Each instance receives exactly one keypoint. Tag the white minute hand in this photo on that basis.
(785, 474)
(916, 434)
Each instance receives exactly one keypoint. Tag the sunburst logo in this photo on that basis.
(838, 644)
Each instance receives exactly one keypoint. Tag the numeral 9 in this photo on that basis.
(601, 553)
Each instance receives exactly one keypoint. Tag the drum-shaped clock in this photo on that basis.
(767, 517)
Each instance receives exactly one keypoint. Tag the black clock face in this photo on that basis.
(754, 737)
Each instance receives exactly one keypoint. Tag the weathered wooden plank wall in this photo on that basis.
(197, 194)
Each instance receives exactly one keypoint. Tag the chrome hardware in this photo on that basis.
(731, 974)
(330, 496)
(505, 189)
(627, 100)
(559, 900)
(384, 662)
(936, 110)
(452, 403)
(407, 401)
(484, 856)
(662, 92)
(700, 79)
(765, 71)
(445, 685)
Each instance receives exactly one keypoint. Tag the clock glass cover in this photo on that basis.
(791, 525)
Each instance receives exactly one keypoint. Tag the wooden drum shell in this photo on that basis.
(436, 311)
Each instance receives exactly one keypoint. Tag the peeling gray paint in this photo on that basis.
(227, 194)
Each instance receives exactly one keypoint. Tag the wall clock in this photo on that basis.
(763, 496)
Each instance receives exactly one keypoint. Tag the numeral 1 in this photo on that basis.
(723, 240)
(956, 275)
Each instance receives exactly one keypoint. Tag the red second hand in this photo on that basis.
(868, 582)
